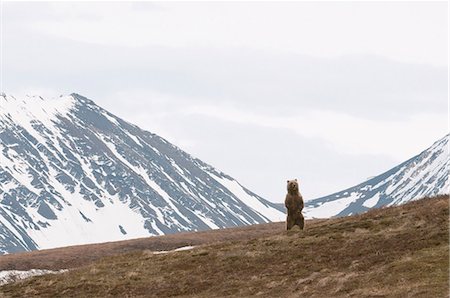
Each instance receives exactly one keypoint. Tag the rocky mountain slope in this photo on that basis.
(73, 173)
(426, 174)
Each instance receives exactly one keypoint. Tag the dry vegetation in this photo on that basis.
(393, 252)
(81, 255)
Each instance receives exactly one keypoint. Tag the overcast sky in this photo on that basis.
(331, 93)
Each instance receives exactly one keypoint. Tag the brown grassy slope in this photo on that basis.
(81, 255)
(395, 252)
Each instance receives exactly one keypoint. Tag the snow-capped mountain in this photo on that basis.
(426, 174)
(73, 173)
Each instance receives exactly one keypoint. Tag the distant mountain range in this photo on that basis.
(426, 174)
(73, 173)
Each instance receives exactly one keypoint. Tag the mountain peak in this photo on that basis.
(426, 174)
(73, 173)
(26, 109)
(82, 99)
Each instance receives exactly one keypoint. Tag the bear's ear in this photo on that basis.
(295, 179)
(288, 181)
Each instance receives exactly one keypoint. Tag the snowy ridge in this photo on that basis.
(72, 173)
(426, 174)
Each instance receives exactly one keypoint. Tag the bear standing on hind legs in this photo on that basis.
(294, 205)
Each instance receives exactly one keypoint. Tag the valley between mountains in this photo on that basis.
(72, 173)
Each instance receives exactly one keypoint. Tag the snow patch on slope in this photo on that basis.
(372, 201)
(331, 208)
(24, 111)
(8, 276)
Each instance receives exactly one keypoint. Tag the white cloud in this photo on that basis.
(316, 87)
(414, 32)
(398, 140)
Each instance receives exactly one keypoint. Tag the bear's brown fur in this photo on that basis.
(294, 205)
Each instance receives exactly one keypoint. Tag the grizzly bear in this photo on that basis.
(294, 205)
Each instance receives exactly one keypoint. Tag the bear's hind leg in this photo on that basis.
(300, 222)
(289, 223)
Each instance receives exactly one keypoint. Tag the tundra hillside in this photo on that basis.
(395, 252)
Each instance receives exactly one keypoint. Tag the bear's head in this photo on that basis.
(292, 186)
